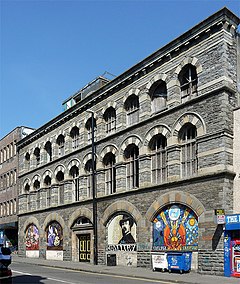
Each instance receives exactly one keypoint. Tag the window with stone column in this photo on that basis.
(48, 149)
(89, 173)
(74, 134)
(61, 144)
(110, 119)
(60, 180)
(109, 162)
(131, 155)
(188, 82)
(131, 106)
(74, 173)
(158, 94)
(37, 155)
(47, 183)
(187, 139)
(158, 145)
(88, 126)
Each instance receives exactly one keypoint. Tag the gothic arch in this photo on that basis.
(176, 197)
(47, 173)
(59, 168)
(74, 162)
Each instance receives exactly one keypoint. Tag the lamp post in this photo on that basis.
(95, 237)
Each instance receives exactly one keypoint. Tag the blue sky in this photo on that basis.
(52, 48)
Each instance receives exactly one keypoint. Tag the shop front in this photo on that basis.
(232, 246)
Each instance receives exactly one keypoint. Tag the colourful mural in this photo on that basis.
(122, 230)
(175, 228)
(32, 238)
(54, 236)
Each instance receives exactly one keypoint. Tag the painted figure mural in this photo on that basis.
(32, 238)
(122, 230)
(175, 228)
(54, 236)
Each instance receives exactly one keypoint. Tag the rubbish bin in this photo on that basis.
(180, 261)
(159, 261)
(111, 260)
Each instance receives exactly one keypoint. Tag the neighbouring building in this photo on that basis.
(8, 186)
(160, 165)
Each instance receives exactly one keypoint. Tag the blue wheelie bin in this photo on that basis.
(179, 261)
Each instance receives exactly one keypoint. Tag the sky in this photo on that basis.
(52, 48)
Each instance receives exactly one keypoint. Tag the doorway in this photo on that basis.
(84, 247)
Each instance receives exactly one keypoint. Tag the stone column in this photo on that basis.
(120, 177)
(68, 191)
(145, 171)
(54, 195)
(22, 203)
(174, 165)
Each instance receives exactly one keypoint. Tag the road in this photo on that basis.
(31, 274)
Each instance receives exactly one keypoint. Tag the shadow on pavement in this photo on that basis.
(24, 279)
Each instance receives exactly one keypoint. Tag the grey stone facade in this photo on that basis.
(210, 48)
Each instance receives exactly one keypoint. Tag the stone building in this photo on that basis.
(8, 186)
(161, 163)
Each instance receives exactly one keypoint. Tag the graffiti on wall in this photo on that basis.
(32, 238)
(175, 228)
(54, 236)
(122, 231)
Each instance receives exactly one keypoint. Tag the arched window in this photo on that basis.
(48, 149)
(74, 173)
(89, 129)
(158, 93)
(188, 82)
(187, 139)
(27, 188)
(36, 184)
(110, 118)
(47, 180)
(131, 155)
(60, 142)
(158, 146)
(60, 179)
(89, 172)
(131, 106)
(75, 137)
(27, 160)
(37, 155)
(109, 162)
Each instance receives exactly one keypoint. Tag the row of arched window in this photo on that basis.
(158, 93)
(81, 186)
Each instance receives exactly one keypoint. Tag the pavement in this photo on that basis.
(136, 272)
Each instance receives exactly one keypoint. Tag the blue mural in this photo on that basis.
(175, 228)
(54, 236)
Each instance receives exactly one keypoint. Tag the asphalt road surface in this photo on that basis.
(31, 274)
